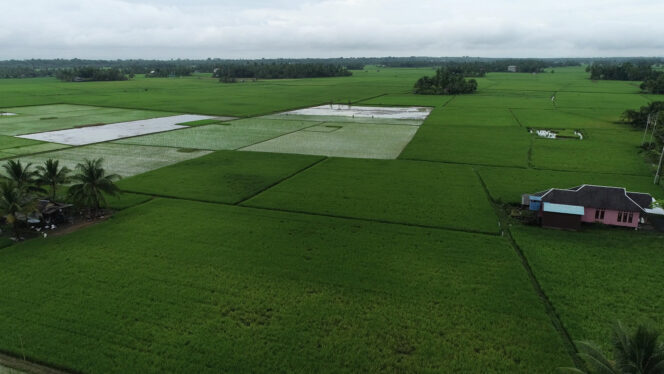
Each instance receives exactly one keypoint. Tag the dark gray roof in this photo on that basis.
(643, 199)
(599, 197)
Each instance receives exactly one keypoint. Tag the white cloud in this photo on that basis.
(327, 28)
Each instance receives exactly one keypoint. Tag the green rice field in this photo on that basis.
(125, 160)
(223, 176)
(243, 296)
(368, 189)
(277, 242)
(33, 119)
(620, 276)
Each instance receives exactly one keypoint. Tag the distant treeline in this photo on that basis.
(445, 82)
(470, 66)
(90, 74)
(641, 70)
(480, 68)
(628, 71)
(231, 72)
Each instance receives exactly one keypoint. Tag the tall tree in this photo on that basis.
(52, 175)
(15, 204)
(91, 182)
(21, 174)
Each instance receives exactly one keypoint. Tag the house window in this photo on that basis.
(630, 217)
(620, 216)
(599, 214)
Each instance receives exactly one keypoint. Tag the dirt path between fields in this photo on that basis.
(13, 365)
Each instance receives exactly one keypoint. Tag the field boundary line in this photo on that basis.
(550, 310)
(523, 167)
(315, 123)
(320, 161)
(373, 220)
(447, 102)
(530, 152)
(22, 364)
(515, 117)
(462, 163)
(368, 98)
(126, 108)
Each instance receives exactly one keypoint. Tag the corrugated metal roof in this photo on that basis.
(563, 208)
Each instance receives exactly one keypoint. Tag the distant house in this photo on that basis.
(512, 69)
(568, 208)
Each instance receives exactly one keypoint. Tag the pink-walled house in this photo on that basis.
(568, 208)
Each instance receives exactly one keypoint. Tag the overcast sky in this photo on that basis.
(165, 29)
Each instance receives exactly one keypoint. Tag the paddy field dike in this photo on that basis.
(326, 225)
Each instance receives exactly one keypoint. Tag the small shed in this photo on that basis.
(562, 216)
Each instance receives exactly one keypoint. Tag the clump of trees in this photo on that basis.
(627, 71)
(445, 82)
(639, 118)
(638, 352)
(90, 74)
(653, 80)
(232, 72)
(21, 188)
(654, 84)
(170, 71)
(650, 118)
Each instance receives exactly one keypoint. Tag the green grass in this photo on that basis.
(508, 184)
(408, 100)
(342, 139)
(231, 135)
(125, 160)
(606, 151)
(7, 142)
(567, 118)
(126, 200)
(205, 95)
(33, 119)
(597, 277)
(462, 116)
(331, 118)
(481, 145)
(30, 149)
(194, 287)
(201, 122)
(502, 100)
(223, 176)
(173, 285)
(409, 192)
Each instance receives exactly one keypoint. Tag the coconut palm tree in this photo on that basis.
(15, 203)
(91, 183)
(21, 175)
(638, 353)
(52, 175)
